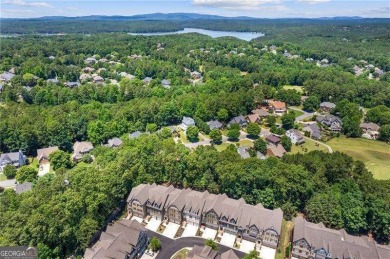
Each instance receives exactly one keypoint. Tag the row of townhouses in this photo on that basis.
(312, 240)
(219, 212)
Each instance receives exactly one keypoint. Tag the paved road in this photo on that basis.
(171, 246)
(7, 183)
(304, 116)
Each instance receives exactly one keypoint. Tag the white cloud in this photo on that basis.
(314, 1)
(26, 3)
(236, 4)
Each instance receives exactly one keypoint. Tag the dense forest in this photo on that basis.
(65, 209)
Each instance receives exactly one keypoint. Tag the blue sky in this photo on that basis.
(253, 8)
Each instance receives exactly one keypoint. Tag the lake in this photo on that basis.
(247, 36)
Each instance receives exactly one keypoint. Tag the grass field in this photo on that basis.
(297, 113)
(310, 145)
(2, 177)
(222, 147)
(245, 143)
(299, 89)
(375, 154)
(181, 254)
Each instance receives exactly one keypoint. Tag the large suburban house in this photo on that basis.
(240, 120)
(253, 118)
(313, 129)
(277, 107)
(276, 150)
(327, 106)
(125, 239)
(166, 83)
(370, 130)
(114, 142)
(295, 136)
(80, 149)
(332, 122)
(6, 76)
(262, 113)
(16, 159)
(44, 153)
(214, 125)
(312, 240)
(219, 212)
(206, 252)
(187, 122)
(273, 140)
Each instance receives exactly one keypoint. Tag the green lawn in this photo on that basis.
(222, 147)
(33, 162)
(2, 177)
(245, 143)
(299, 89)
(375, 154)
(297, 113)
(310, 145)
(181, 254)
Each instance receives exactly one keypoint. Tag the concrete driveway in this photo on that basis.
(153, 224)
(228, 239)
(209, 233)
(171, 229)
(267, 253)
(190, 231)
(43, 169)
(137, 219)
(247, 246)
(7, 183)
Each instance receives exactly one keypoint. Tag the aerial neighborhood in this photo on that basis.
(183, 135)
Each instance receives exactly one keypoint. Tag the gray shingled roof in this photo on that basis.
(202, 252)
(23, 187)
(44, 153)
(239, 120)
(315, 130)
(188, 121)
(337, 242)
(118, 241)
(197, 202)
(114, 142)
(370, 126)
(328, 105)
(214, 125)
(6, 76)
(135, 135)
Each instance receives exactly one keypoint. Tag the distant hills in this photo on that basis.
(169, 17)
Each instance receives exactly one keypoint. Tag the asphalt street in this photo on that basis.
(170, 246)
